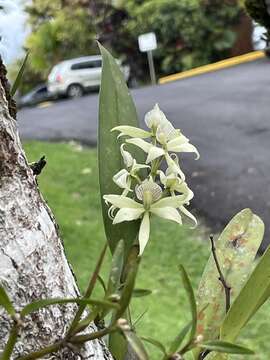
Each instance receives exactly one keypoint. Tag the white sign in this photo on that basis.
(147, 42)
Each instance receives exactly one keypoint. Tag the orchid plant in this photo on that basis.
(151, 192)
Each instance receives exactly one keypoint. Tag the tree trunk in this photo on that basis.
(32, 260)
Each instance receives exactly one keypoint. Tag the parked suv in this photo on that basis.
(74, 77)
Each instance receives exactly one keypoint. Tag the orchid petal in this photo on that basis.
(128, 159)
(178, 140)
(168, 213)
(121, 179)
(183, 188)
(148, 186)
(170, 201)
(122, 202)
(154, 153)
(155, 117)
(137, 167)
(144, 232)
(184, 148)
(165, 132)
(174, 167)
(132, 131)
(127, 214)
(145, 146)
(188, 214)
(162, 177)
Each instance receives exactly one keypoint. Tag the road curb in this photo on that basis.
(214, 67)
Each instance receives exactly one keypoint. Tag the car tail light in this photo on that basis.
(59, 78)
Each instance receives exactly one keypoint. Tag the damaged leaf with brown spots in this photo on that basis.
(236, 249)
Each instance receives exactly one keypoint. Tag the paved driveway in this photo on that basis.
(225, 114)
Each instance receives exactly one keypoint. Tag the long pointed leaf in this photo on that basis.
(128, 287)
(136, 344)
(36, 305)
(5, 302)
(226, 347)
(141, 292)
(177, 342)
(118, 345)
(192, 301)
(116, 108)
(116, 269)
(155, 343)
(251, 297)
(13, 335)
(19, 77)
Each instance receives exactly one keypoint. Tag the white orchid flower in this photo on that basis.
(149, 194)
(132, 131)
(173, 183)
(153, 120)
(127, 157)
(124, 177)
(178, 144)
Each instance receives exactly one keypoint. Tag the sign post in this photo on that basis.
(148, 43)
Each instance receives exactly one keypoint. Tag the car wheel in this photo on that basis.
(75, 91)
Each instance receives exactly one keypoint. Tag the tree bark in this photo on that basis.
(32, 260)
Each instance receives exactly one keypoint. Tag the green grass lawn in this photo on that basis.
(69, 184)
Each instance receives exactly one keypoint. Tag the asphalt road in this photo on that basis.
(225, 114)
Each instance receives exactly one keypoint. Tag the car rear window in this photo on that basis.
(87, 65)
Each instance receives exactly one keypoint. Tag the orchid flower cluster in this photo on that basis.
(146, 189)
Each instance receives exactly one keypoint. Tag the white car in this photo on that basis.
(74, 77)
(258, 37)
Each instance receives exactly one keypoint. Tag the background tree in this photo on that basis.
(190, 32)
(61, 30)
(32, 261)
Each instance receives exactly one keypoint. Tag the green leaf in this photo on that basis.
(83, 324)
(177, 342)
(236, 249)
(192, 301)
(118, 346)
(116, 269)
(102, 283)
(6, 303)
(155, 343)
(36, 305)
(136, 344)
(13, 335)
(133, 265)
(139, 318)
(116, 108)
(19, 77)
(251, 298)
(141, 292)
(225, 347)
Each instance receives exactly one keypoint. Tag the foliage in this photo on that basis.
(59, 32)
(189, 32)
